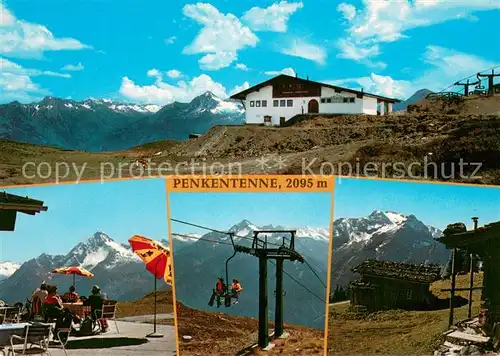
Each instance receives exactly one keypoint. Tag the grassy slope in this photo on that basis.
(221, 334)
(145, 306)
(397, 332)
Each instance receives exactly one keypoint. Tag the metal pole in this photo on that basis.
(452, 290)
(154, 322)
(278, 322)
(263, 317)
(471, 284)
(154, 333)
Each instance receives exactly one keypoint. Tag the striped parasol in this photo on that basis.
(154, 255)
(158, 262)
(75, 271)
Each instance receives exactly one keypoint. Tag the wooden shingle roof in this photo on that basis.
(399, 270)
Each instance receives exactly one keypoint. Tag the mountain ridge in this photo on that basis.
(107, 125)
(108, 260)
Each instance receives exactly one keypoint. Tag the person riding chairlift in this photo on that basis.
(218, 292)
(236, 290)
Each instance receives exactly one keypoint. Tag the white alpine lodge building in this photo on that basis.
(277, 100)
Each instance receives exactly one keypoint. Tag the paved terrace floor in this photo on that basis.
(130, 333)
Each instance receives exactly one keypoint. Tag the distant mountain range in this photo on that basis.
(386, 236)
(200, 263)
(118, 271)
(419, 95)
(105, 125)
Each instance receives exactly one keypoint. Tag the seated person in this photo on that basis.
(95, 301)
(71, 296)
(53, 305)
(37, 299)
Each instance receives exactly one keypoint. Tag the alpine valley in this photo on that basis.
(105, 125)
(117, 270)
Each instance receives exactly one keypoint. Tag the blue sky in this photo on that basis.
(434, 204)
(220, 211)
(75, 212)
(163, 51)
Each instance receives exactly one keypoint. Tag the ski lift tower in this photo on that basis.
(262, 250)
(491, 77)
(467, 85)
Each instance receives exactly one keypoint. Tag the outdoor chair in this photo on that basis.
(10, 315)
(107, 312)
(63, 337)
(36, 336)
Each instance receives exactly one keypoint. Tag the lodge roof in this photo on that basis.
(399, 270)
(463, 238)
(22, 204)
(242, 95)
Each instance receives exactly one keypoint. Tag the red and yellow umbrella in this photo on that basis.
(155, 256)
(75, 271)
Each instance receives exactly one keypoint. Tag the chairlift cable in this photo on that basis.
(226, 243)
(474, 75)
(220, 232)
(313, 271)
(299, 283)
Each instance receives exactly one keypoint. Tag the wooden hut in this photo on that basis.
(11, 204)
(393, 285)
(484, 242)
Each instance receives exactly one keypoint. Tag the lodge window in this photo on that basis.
(346, 100)
(252, 104)
(257, 103)
(264, 103)
(352, 100)
(329, 100)
(408, 294)
(276, 103)
(323, 100)
(289, 103)
(282, 102)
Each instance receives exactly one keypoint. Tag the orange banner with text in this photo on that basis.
(251, 183)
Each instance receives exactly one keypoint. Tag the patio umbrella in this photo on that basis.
(74, 270)
(158, 263)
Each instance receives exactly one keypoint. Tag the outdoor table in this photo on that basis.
(7, 330)
(78, 309)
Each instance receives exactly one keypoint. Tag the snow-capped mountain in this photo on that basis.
(384, 236)
(7, 269)
(200, 263)
(106, 125)
(116, 270)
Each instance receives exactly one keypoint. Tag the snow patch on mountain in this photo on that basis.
(7, 269)
(320, 234)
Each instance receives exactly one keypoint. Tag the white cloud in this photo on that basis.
(153, 73)
(387, 21)
(162, 93)
(170, 40)
(348, 10)
(220, 38)
(73, 68)
(174, 73)
(378, 84)
(302, 49)
(350, 50)
(20, 38)
(239, 88)
(287, 71)
(16, 82)
(273, 18)
(242, 67)
(445, 67)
